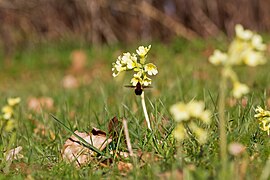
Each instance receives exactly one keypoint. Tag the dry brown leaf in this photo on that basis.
(37, 104)
(201, 75)
(236, 148)
(124, 166)
(13, 154)
(268, 102)
(70, 82)
(233, 101)
(147, 156)
(74, 151)
(171, 175)
(78, 61)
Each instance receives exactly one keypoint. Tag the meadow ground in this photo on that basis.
(96, 97)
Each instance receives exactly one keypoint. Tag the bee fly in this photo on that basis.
(138, 88)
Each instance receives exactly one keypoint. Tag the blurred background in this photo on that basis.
(27, 22)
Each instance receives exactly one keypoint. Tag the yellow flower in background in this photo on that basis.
(257, 43)
(7, 112)
(206, 116)
(247, 48)
(261, 113)
(253, 58)
(135, 62)
(195, 108)
(200, 134)
(239, 89)
(179, 132)
(188, 114)
(243, 34)
(10, 125)
(7, 117)
(263, 116)
(179, 112)
(13, 101)
(218, 57)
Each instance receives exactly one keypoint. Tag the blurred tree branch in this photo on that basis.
(108, 21)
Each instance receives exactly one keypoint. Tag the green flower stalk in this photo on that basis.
(136, 62)
(248, 49)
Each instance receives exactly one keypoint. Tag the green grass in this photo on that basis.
(184, 74)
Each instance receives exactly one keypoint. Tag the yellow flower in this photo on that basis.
(254, 58)
(132, 62)
(185, 114)
(14, 101)
(263, 117)
(151, 69)
(200, 134)
(239, 89)
(136, 78)
(265, 125)
(257, 43)
(218, 57)
(195, 108)
(117, 68)
(10, 125)
(135, 62)
(206, 117)
(7, 112)
(179, 132)
(146, 81)
(125, 58)
(243, 34)
(179, 112)
(142, 51)
(261, 113)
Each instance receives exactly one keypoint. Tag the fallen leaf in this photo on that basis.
(74, 151)
(13, 154)
(268, 102)
(148, 157)
(78, 61)
(124, 166)
(233, 101)
(70, 82)
(201, 75)
(236, 148)
(37, 104)
(176, 174)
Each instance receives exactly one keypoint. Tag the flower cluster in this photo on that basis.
(263, 117)
(185, 114)
(135, 62)
(7, 118)
(247, 48)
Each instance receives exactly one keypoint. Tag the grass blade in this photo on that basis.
(85, 143)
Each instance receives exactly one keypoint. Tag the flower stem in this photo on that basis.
(222, 123)
(145, 112)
